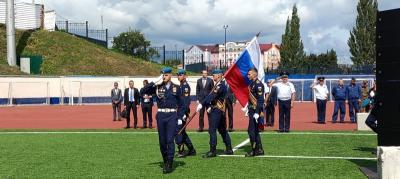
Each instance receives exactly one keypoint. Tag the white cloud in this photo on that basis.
(325, 24)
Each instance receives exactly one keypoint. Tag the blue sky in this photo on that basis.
(325, 24)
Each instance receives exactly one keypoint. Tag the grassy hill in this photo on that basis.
(65, 54)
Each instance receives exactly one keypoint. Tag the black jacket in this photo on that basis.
(201, 92)
(142, 94)
(273, 95)
(136, 96)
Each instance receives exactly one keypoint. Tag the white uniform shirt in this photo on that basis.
(321, 92)
(285, 90)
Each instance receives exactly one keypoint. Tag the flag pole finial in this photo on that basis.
(258, 34)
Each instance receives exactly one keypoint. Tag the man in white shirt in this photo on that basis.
(321, 94)
(286, 96)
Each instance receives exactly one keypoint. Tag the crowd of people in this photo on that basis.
(215, 97)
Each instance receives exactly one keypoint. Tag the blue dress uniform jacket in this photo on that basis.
(183, 109)
(216, 116)
(353, 95)
(339, 93)
(184, 100)
(353, 92)
(255, 105)
(167, 99)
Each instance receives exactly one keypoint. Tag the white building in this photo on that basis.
(214, 55)
(203, 53)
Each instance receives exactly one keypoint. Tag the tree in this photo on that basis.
(297, 48)
(292, 49)
(133, 43)
(362, 37)
(284, 50)
(321, 63)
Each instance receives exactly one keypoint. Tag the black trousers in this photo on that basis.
(131, 106)
(284, 115)
(321, 110)
(147, 113)
(201, 118)
(270, 114)
(229, 108)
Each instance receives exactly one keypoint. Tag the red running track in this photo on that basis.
(100, 117)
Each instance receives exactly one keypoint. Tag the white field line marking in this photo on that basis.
(204, 133)
(241, 145)
(304, 157)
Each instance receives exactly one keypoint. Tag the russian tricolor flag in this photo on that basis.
(236, 76)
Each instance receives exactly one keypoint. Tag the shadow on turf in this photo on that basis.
(175, 165)
(366, 149)
(368, 167)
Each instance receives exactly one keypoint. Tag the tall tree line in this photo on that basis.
(362, 36)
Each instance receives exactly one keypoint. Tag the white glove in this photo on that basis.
(184, 117)
(245, 110)
(179, 122)
(159, 80)
(198, 102)
(256, 116)
(209, 110)
(199, 107)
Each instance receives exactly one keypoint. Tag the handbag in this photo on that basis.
(365, 103)
(124, 113)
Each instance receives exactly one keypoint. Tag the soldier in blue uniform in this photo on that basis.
(255, 111)
(215, 105)
(339, 94)
(353, 98)
(168, 96)
(183, 114)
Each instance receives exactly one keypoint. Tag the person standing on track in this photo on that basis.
(214, 102)
(146, 101)
(286, 96)
(255, 110)
(353, 98)
(131, 100)
(339, 94)
(203, 88)
(183, 114)
(168, 96)
(116, 99)
(321, 93)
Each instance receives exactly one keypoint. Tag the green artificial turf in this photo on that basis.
(136, 155)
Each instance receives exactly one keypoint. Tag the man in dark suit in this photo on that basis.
(116, 99)
(271, 100)
(131, 100)
(203, 88)
(230, 101)
(146, 101)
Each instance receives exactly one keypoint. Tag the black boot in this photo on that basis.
(168, 167)
(260, 150)
(181, 151)
(211, 153)
(164, 164)
(192, 151)
(252, 153)
(228, 150)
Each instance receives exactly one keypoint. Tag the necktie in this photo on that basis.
(131, 95)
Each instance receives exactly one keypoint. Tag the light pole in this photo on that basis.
(225, 27)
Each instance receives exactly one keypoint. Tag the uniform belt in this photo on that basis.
(251, 106)
(166, 110)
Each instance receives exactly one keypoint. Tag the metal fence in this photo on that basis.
(83, 30)
(340, 69)
(164, 55)
(83, 90)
